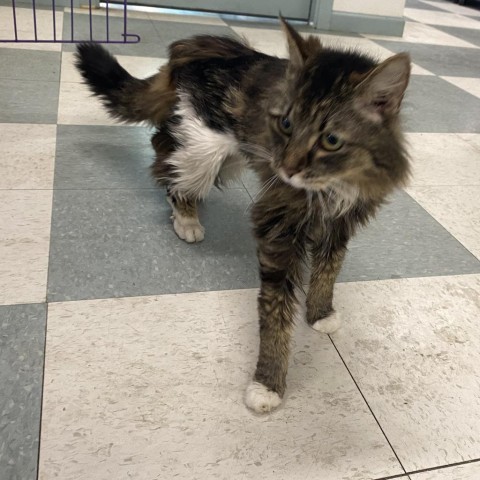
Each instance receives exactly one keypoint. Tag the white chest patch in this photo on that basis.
(202, 153)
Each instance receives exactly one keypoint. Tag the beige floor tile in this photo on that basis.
(412, 346)
(152, 387)
(471, 138)
(210, 19)
(115, 10)
(368, 46)
(24, 245)
(440, 18)
(443, 159)
(469, 471)
(25, 27)
(28, 156)
(140, 67)
(455, 8)
(470, 85)
(44, 47)
(77, 106)
(415, 32)
(149, 13)
(267, 41)
(456, 208)
(273, 42)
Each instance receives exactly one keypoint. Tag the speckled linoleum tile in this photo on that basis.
(456, 208)
(443, 159)
(152, 387)
(24, 245)
(140, 67)
(22, 340)
(25, 29)
(28, 156)
(412, 347)
(28, 101)
(469, 471)
(113, 243)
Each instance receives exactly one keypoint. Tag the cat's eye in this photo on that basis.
(285, 125)
(330, 142)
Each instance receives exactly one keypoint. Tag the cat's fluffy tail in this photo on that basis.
(126, 98)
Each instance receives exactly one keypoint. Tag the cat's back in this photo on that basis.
(204, 47)
(214, 73)
(215, 60)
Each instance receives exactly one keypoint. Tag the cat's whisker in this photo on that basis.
(260, 152)
(265, 188)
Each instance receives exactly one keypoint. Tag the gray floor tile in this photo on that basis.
(142, 49)
(251, 183)
(34, 65)
(105, 157)
(155, 35)
(27, 4)
(22, 341)
(81, 28)
(405, 241)
(121, 243)
(435, 105)
(169, 32)
(28, 101)
(90, 157)
(467, 34)
(439, 59)
(268, 24)
(421, 5)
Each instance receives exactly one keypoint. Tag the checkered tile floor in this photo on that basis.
(124, 352)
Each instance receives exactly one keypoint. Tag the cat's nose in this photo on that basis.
(290, 171)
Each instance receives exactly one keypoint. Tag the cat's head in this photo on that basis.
(334, 120)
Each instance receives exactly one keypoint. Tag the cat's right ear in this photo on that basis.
(299, 48)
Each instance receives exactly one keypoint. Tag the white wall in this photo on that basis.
(389, 8)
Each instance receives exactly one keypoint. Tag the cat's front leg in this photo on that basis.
(326, 264)
(276, 306)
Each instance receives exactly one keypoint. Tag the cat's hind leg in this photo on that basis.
(200, 158)
(185, 218)
(184, 204)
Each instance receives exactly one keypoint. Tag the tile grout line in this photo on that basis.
(371, 411)
(400, 475)
(46, 284)
(441, 225)
(42, 391)
(430, 469)
(238, 289)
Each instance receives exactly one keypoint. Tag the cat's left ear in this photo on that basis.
(299, 48)
(381, 92)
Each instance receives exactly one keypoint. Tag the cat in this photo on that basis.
(321, 130)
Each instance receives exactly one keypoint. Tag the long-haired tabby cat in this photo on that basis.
(321, 130)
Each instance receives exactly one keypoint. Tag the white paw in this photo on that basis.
(260, 399)
(188, 228)
(328, 325)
